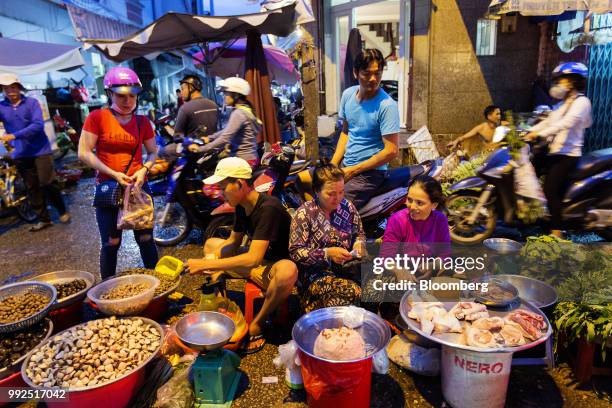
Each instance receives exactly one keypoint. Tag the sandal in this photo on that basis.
(254, 339)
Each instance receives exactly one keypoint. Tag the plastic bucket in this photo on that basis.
(472, 379)
(337, 385)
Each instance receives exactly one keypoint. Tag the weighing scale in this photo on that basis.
(215, 370)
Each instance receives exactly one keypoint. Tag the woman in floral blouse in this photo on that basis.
(323, 232)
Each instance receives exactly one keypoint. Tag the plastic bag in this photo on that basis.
(449, 164)
(137, 210)
(287, 356)
(353, 317)
(324, 379)
(380, 362)
(525, 180)
(415, 358)
(177, 392)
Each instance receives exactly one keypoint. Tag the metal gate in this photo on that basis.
(599, 90)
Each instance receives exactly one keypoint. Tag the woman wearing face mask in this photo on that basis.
(421, 228)
(323, 232)
(564, 131)
(117, 135)
(242, 128)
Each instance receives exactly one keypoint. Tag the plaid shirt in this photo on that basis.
(311, 232)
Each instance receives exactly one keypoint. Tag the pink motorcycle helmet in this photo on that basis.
(122, 80)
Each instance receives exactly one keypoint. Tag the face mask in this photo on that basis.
(122, 111)
(558, 91)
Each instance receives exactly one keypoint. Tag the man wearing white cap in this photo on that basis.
(266, 261)
(23, 121)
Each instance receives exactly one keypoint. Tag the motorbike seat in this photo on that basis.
(593, 163)
(299, 165)
(399, 177)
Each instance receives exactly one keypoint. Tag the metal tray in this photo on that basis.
(416, 326)
(67, 276)
(19, 288)
(532, 290)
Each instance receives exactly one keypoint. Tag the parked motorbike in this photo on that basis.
(13, 192)
(389, 198)
(66, 137)
(476, 202)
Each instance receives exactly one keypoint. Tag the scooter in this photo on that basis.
(188, 202)
(389, 198)
(67, 138)
(274, 176)
(13, 192)
(476, 202)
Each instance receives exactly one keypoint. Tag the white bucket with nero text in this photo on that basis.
(472, 379)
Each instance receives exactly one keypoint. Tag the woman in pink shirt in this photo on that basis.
(421, 228)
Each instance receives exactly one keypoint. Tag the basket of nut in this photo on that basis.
(125, 295)
(101, 363)
(24, 304)
(71, 286)
(167, 285)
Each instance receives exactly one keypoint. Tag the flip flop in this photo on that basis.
(252, 339)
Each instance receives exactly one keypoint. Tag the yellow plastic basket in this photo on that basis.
(169, 266)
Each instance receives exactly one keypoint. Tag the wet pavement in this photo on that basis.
(76, 246)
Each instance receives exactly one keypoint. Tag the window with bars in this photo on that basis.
(486, 37)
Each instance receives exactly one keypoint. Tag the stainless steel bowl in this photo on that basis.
(205, 331)
(59, 277)
(21, 288)
(374, 330)
(486, 299)
(532, 290)
(502, 245)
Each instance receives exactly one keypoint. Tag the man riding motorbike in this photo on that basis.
(197, 112)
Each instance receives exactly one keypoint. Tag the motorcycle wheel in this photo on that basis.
(219, 226)
(171, 222)
(24, 208)
(25, 211)
(459, 207)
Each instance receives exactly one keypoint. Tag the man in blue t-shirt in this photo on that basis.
(370, 132)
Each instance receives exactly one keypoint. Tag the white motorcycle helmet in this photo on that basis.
(235, 84)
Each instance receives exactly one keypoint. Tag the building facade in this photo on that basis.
(448, 60)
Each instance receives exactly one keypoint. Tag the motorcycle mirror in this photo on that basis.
(500, 133)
